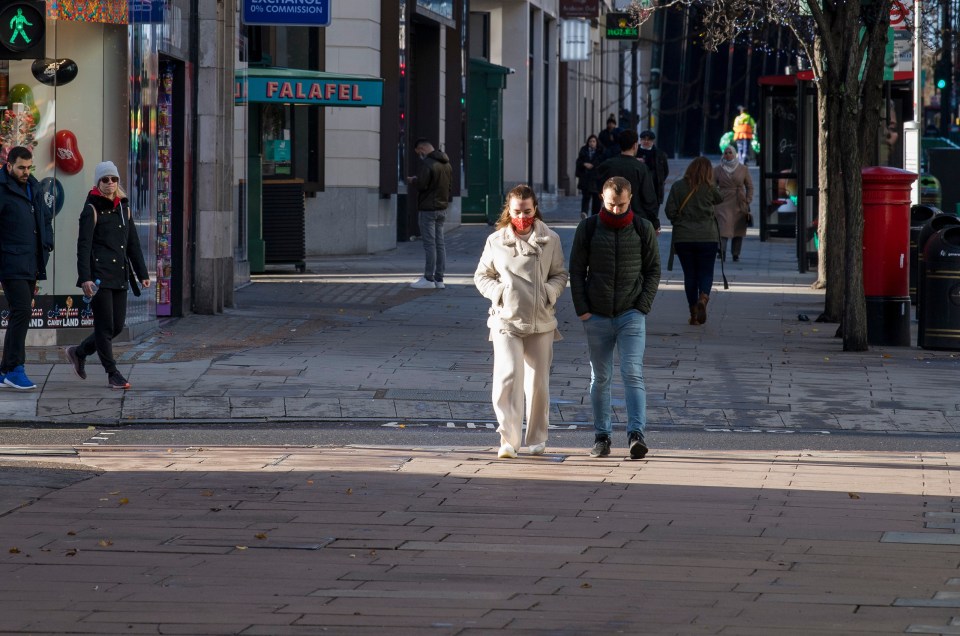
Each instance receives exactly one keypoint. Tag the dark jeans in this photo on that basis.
(109, 313)
(697, 261)
(19, 294)
(589, 202)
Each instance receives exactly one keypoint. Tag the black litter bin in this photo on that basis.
(919, 215)
(930, 228)
(940, 291)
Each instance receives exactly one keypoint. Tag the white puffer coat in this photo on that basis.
(522, 279)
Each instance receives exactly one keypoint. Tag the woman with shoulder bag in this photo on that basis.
(522, 273)
(107, 247)
(733, 214)
(690, 209)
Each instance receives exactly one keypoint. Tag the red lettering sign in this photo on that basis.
(331, 91)
(344, 94)
(315, 92)
(272, 88)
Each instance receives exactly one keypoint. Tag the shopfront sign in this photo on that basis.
(620, 27)
(315, 13)
(147, 11)
(289, 86)
(570, 9)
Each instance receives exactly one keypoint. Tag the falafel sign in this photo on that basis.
(292, 86)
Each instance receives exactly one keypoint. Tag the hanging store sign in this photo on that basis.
(588, 9)
(620, 27)
(574, 41)
(292, 86)
(315, 13)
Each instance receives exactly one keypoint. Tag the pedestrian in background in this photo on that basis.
(655, 160)
(608, 138)
(432, 183)
(743, 128)
(614, 275)
(26, 240)
(107, 247)
(733, 213)
(587, 162)
(521, 272)
(644, 197)
(695, 238)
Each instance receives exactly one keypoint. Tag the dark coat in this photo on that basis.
(619, 270)
(608, 142)
(656, 162)
(434, 179)
(107, 238)
(26, 230)
(644, 196)
(587, 177)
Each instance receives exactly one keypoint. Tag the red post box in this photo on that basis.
(886, 254)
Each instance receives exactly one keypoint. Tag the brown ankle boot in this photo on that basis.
(693, 315)
(701, 308)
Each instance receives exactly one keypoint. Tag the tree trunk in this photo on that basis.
(854, 304)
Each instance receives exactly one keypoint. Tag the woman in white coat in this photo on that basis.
(522, 273)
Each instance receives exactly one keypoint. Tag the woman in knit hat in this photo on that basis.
(107, 247)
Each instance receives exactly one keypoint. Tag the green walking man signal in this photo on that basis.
(22, 30)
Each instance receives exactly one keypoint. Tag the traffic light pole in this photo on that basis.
(946, 93)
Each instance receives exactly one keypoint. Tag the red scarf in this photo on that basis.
(616, 221)
(96, 192)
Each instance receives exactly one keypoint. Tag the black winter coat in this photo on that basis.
(587, 177)
(619, 270)
(644, 195)
(658, 165)
(107, 238)
(26, 230)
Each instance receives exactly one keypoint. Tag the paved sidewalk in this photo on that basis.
(455, 542)
(349, 340)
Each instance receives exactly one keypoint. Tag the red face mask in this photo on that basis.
(522, 223)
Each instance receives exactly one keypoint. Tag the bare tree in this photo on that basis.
(844, 41)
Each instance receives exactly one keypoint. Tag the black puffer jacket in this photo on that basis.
(107, 238)
(619, 270)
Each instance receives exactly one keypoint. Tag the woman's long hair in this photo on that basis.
(699, 172)
(522, 191)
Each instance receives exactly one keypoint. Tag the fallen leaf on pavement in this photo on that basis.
(105, 543)
(261, 535)
(853, 495)
(14, 550)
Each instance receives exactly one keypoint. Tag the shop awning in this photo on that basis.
(273, 85)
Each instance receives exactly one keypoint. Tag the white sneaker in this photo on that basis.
(423, 283)
(506, 451)
(439, 284)
(537, 449)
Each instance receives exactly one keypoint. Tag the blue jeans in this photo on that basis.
(743, 150)
(697, 261)
(628, 333)
(431, 233)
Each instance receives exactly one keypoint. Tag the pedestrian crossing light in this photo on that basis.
(22, 30)
(941, 73)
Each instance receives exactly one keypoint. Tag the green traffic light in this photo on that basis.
(941, 83)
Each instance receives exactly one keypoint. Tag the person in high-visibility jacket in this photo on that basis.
(743, 127)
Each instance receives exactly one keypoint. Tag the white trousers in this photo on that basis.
(521, 376)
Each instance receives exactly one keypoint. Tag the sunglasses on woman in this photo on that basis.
(109, 179)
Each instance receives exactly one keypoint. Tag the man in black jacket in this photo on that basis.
(655, 160)
(26, 240)
(614, 275)
(644, 198)
(432, 182)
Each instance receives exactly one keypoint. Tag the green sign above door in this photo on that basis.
(620, 27)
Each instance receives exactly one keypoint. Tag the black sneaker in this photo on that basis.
(117, 381)
(78, 361)
(601, 447)
(638, 446)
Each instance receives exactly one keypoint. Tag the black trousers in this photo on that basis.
(109, 313)
(589, 202)
(19, 294)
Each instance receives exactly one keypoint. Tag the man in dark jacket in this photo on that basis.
(655, 160)
(26, 240)
(432, 182)
(614, 275)
(626, 165)
(608, 138)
